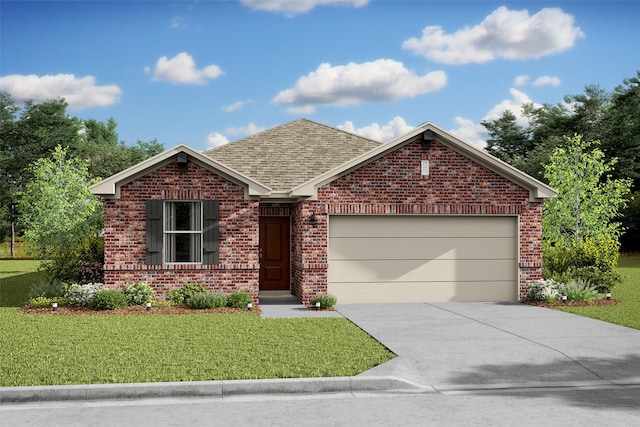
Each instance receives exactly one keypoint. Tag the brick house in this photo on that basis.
(307, 208)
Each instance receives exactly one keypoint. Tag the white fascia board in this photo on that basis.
(110, 187)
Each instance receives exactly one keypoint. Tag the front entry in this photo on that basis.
(275, 253)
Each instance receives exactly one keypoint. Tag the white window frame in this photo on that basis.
(168, 235)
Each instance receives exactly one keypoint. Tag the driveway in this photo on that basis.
(458, 346)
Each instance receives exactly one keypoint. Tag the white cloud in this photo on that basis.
(293, 7)
(237, 106)
(507, 34)
(547, 80)
(470, 132)
(215, 139)
(396, 127)
(182, 69)
(521, 80)
(476, 134)
(78, 92)
(250, 129)
(380, 80)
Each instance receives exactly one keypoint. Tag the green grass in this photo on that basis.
(41, 349)
(16, 277)
(627, 313)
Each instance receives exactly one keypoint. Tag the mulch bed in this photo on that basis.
(179, 309)
(559, 303)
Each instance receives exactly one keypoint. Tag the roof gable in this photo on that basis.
(537, 189)
(110, 187)
(288, 155)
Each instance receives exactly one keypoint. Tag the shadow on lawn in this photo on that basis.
(14, 290)
(626, 368)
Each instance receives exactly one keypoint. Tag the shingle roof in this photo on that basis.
(291, 154)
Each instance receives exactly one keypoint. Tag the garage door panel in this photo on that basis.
(385, 258)
(420, 270)
(416, 226)
(421, 248)
(389, 292)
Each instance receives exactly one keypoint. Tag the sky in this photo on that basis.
(206, 72)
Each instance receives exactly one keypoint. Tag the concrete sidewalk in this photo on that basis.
(441, 348)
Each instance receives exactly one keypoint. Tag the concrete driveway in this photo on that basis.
(467, 346)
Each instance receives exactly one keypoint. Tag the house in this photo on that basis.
(307, 208)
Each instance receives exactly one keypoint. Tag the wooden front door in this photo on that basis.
(275, 252)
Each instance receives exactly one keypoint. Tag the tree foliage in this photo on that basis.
(32, 131)
(58, 212)
(588, 197)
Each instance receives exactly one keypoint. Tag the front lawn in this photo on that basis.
(16, 277)
(627, 313)
(43, 349)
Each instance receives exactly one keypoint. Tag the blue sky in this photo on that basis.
(207, 72)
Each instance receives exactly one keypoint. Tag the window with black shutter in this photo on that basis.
(182, 231)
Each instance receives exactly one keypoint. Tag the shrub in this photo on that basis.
(203, 300)
(603, 281)
(325, 300)
(239, 299)
(90, 271)
(580, 290)
(43, 302)
(138, 293)
(543, 290)
(81, 295)
(108, 299)
(49, 288)
(182, 294)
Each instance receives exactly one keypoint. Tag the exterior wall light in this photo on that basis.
(313, 220)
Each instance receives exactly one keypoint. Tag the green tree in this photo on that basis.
(588, 198)
(27, 134)
(58, 212)
(508, 140)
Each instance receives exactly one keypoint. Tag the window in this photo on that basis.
(182, 231)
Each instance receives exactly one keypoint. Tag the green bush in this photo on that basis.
(325, 300)
(580, 290)
(108, 299)
(49, 288)
(239, 299)
(603, 281)
(182, 294)
(44, 302)
(202, 300)
(138, 293)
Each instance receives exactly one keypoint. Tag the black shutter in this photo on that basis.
(210, 231)
(154, 231)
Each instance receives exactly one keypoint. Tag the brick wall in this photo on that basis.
(393, 185)
(125, 240)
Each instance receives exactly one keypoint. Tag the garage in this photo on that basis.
(422, 258)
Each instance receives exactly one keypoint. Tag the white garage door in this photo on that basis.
(422, 258)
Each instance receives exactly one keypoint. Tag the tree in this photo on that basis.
(58, 212)
(588, 198)
(508, 140)
(623, 130)
(24, 139)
